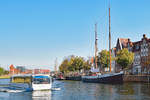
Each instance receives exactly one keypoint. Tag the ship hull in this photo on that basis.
(108, 79)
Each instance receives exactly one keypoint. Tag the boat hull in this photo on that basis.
(112, 79)
(41, 86)
(21, 86)
(28, 87)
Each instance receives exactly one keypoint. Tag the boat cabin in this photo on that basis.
(31, 82)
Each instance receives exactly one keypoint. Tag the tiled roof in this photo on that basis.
(124, 42)
(11, 66)
(135, 45)
(114, 48)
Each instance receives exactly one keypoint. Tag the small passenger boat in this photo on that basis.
(31, 82)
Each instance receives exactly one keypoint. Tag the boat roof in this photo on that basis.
(29, 75)
(40, 75)
(22, 75)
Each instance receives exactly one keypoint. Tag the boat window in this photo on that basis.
(21, 80)
(41, 80)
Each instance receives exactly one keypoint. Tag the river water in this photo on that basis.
(77, 90)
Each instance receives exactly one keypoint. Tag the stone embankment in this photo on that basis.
(74, 78)
(136, 78)
(126, 78)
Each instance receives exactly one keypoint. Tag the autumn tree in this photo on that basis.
(103, 58)
(87, 65)
(64, 66)
(1, 71)
(73, 63)
(124, 58)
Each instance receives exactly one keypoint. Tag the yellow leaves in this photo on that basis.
(124, 58)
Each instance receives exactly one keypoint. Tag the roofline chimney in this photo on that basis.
(144, 35)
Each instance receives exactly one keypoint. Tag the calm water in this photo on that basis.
(76, 90)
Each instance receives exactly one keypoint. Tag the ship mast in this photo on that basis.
(109, 40)
(96, 49)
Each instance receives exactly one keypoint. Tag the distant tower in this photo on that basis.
(55, 66)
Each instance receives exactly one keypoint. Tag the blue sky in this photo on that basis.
(36, 32)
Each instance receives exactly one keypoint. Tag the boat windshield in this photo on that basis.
(41, 80)
(21, 79)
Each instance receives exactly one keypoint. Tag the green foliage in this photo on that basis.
(1, 71)
(74, 63)
(103, 58)
(6, 72)
(124, 58)
(64, 66)
(78, 63)
(87, 65)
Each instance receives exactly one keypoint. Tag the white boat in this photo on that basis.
(31, 82)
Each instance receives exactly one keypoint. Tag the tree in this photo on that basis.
(87, 65)
(1, 71)
(103, 58)
(124, 58)
(64, 66)
(72, 64)
(71, 67)
(6, 72)
(77, 63)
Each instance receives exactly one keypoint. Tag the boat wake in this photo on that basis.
(56, 89)
(11, 91)
(17, 91)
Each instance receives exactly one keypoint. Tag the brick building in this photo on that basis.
(13, 70)
(23, 70)
(41, 71)
(141, 50)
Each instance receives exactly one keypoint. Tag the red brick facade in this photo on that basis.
(13, 70)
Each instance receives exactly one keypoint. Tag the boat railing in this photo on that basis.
(109, 74)
(89, 76)
(103, 75)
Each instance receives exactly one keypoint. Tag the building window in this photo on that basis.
(137, 47)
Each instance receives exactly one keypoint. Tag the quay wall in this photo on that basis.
(126, 78)
(136, 78)
(74, 78)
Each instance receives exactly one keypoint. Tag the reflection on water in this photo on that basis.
(126, 89)
(20, 96)
(36, 95)
(77, 90)
(41, 95)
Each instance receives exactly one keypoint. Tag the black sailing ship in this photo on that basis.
(110, 77)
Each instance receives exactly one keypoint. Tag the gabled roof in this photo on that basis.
(136, 46)
(124, 42)
(11, 66)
